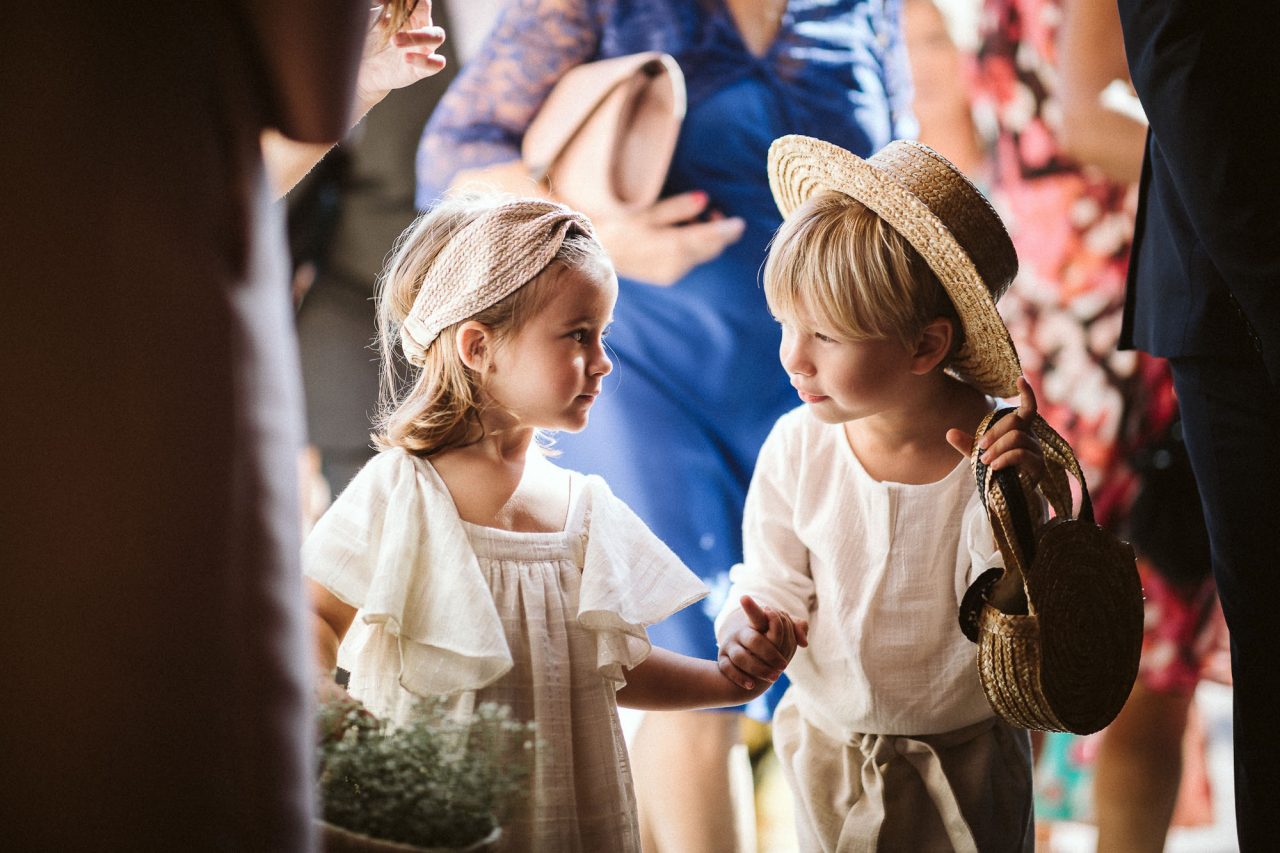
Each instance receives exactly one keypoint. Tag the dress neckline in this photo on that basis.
(731, 22)
(574, 516)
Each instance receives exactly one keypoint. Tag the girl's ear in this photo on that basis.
(474, 342)
(933, 346)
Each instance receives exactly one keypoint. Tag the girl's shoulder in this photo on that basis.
(394, 474)
(601, 511)
(588, 491)
(630, 577)
(394, 462)
(386, 461)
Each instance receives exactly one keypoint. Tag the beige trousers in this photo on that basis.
(966, 790)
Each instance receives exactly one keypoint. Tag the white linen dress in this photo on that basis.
(546, 623)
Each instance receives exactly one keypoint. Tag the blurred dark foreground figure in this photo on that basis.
(1204, 291)
(156, 682)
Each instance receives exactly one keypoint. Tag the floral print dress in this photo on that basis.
(1073, 229)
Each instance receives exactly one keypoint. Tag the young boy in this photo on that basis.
(862, 518)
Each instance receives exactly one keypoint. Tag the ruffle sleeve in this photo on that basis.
(630, 580)
(392, 546)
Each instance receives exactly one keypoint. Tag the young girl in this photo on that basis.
(861, 517)
(465, 564)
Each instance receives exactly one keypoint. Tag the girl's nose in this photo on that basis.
(601, 365)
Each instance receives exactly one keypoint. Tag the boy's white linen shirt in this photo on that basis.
(878, 569)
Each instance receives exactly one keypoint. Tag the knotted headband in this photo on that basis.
(485, 262)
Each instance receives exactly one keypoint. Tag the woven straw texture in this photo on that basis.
(1069, 663)
(485, 262)
(941, 214)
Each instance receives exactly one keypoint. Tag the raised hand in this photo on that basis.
(1011, 441)
(759, 651)
(393, 60)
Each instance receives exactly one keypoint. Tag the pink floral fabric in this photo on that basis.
(1073, 229)
(1185, 637)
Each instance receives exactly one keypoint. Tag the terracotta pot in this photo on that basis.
(335, 839)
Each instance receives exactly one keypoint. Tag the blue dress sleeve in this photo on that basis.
(901, 88)
(481, 120)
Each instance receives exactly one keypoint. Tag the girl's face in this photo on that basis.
(842, 380)
(548, 374)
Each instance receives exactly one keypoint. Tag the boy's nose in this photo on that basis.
(793, 360)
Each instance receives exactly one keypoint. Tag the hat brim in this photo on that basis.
(801, 167)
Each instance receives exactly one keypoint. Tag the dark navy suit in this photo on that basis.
(1204, 291)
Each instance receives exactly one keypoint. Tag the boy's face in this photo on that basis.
(842, 380)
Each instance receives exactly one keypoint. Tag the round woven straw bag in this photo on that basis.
(1059, 629)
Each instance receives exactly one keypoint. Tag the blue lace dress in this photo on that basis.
(696, 385)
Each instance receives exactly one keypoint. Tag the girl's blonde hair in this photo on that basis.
(437, 407)
(393, 17)
(849, 268)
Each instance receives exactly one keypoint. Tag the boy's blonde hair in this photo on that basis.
(839, 260)
(437, 407)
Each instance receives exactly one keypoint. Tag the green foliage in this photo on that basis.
(439, 781)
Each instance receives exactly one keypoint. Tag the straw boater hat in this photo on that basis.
(940, 213)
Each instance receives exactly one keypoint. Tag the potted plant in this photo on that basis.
(440, 782)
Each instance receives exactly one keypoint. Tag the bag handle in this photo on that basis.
(1006, 501)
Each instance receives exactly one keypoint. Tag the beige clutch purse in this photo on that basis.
(604, 137)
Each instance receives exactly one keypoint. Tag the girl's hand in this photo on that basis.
(394, 60)
(661, 243)
(335, 714)
(760, 650)
(327, 690)
(1011, 441)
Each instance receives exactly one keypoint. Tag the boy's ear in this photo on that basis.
(474, 341)
(933, 346)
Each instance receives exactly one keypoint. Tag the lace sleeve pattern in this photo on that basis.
(837, 69)
(482, 118)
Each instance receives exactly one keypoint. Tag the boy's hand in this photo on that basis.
(760, 650)
(1011, 440)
